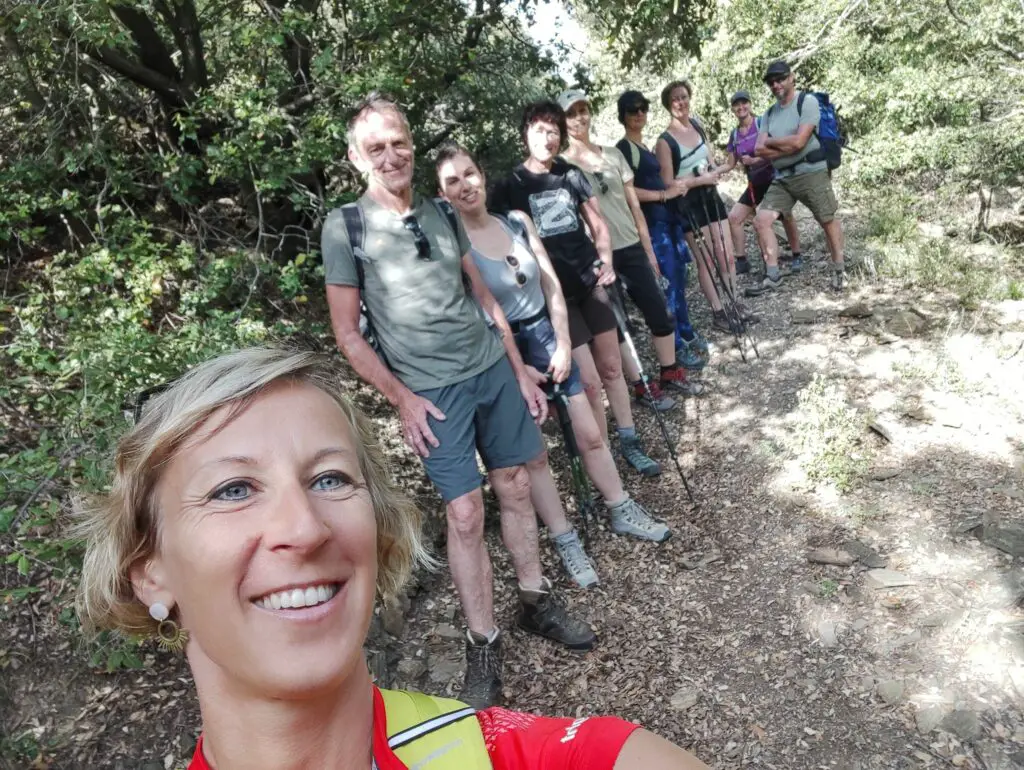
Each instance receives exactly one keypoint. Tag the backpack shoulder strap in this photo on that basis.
(353, 216)
(514, 226)
(449, 212)
(674, 148)
(421, 726)
(633, 156)
(700, 128)
(800, 103)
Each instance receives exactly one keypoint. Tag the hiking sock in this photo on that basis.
(670, 368)
(839, 267)
(626, 432)
(796, 255)
(773, 272)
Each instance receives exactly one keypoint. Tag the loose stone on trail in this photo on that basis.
(830, 556)
(887, 578)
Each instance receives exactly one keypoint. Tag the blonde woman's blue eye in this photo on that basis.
(233, 491)
(330, 482)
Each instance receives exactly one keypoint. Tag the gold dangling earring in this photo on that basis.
(170, 636)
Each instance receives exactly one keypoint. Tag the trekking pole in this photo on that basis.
(620, 319)
(585, 504)
(732, 296)
(707, 255)
(745, 330)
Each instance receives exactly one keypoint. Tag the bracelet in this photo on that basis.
(663, 192)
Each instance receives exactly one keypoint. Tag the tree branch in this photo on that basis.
(150, 46)
(33, 93)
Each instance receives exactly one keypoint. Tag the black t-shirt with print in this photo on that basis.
(554, 200)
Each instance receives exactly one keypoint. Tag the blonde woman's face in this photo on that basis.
(268, 546)
(679, 102)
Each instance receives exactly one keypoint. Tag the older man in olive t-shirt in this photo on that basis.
(788, 138)
(458, 387)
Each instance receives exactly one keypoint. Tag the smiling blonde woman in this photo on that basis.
(252, 521)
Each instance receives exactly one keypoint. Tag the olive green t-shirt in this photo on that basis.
(615, 173)
(430, 329)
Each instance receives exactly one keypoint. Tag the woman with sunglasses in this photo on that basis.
(666, 228)
(684, 153)
(633, 256)
(257, 547)
(515, 266)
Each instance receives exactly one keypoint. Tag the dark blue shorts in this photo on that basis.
(537, 344)
(485, 414)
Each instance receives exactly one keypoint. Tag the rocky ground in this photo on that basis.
(845, 593)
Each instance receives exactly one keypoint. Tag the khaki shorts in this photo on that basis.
(814, 190)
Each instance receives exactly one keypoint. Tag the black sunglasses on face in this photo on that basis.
(599, 176)
(422, 243)
(775, 79)
(637, 109)
(512, 262)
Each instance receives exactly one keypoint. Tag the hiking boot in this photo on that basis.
(676, 378)
(721, 321)
(700, 344)
(796, 265)
(688, 357)
(630, 518)
(540, 613)
(481, 688)
(575, 559)
(766, 285)
(657, 400)
(838, 280)
(742, 266)
(630, 448)
(746, 314)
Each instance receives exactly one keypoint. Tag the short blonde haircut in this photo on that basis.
(121, 527)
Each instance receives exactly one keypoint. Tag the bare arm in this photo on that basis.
(343, 302)
(785, 145)
(729, 164)
(644, 749)
(602, 237)
(641, 225)
(664, 155)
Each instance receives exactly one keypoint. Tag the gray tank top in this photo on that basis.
(517, 302)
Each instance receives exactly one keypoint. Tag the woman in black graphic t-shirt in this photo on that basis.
(558, 197)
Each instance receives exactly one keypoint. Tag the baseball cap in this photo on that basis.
(567, 99)
(777, 68)
(739, 96)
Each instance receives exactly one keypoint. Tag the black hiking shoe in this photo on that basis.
(723, 322)
(482, 687)
(767, 284)
(742, 266)
(542, 614)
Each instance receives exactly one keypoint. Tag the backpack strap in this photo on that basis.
(444, 732)
(449, 212)
(674, 148)
(800, 103)
(353, 216)
(633, 157)
(515, 227)
(697, 124)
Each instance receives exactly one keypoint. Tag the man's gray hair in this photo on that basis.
(375, 101)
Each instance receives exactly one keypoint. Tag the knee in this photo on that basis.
(737, 217)
(466, 516)
(610, 368)
(588, 437)
(538, 463)
(512, 484)
(763, 220)
(592, 389)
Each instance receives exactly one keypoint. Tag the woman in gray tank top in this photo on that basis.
(512, 261)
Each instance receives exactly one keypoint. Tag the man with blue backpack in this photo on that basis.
(799, 135)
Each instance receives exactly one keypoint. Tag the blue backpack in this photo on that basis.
(830, 133)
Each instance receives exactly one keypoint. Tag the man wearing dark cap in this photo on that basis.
(788, 138)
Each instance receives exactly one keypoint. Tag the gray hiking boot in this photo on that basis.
(630, 518)
(766, 285)
(481, 688)
(838, 280)
(575, 559)
(634, 455)
(542, 614)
